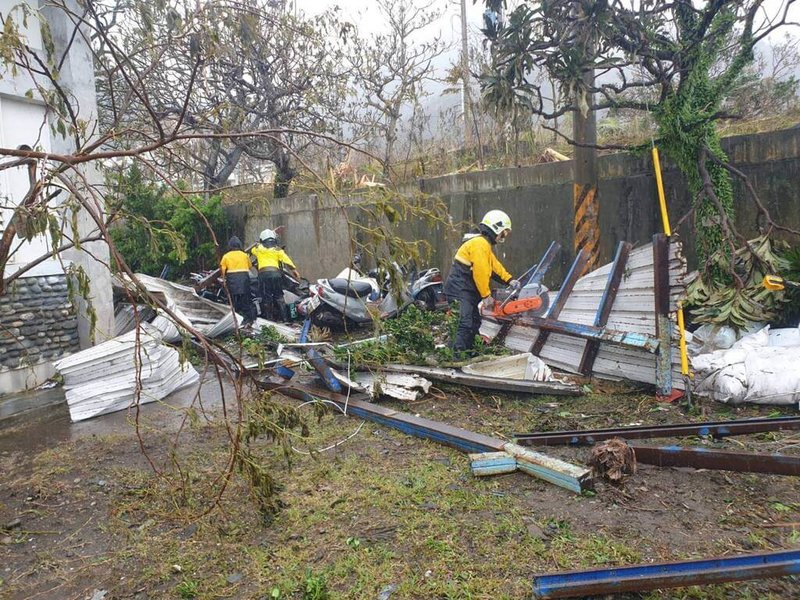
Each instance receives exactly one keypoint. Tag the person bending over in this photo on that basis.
(473, 267)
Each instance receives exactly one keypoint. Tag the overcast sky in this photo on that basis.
(365, 15)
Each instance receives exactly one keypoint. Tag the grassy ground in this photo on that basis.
(383, 515)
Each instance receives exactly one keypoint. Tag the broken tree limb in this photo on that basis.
(556, 471)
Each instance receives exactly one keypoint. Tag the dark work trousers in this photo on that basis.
(238, 284)
(270, 285)
(461, 287)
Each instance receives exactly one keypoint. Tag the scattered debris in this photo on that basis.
(613, 460)
(550, 155)
(394, 385)
(103, 379)
(519, 367)
(387, 591)
(641, 578)
(209, 318)
(556, 471)
(556, 388)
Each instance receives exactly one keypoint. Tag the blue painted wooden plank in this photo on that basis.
(639, 578)
(498, 469)
(641, 341)
(324, 371)
(304, 332)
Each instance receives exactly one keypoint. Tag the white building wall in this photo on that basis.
(23, 120)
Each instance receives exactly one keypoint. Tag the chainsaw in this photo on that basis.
(532, 299)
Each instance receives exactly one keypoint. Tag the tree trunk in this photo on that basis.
(284, 174)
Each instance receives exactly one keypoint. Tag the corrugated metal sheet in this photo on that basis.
(103, 379)
(209, 318)
(633, 311)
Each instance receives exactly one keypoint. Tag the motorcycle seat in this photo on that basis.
(352, 289)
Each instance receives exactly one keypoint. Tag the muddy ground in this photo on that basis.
(382, 515)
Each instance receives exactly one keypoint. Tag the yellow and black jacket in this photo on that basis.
(475, 261)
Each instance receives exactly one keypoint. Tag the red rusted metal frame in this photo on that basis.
(606, 304)
(719, 460)
(575, 271)
(716, 429)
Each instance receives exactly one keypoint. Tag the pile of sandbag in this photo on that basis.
(105, 378)
(761, 367)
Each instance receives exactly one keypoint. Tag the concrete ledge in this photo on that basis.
(26, 378)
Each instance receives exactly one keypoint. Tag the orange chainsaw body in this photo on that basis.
(515, 307)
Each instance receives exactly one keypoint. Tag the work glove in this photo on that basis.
(488, 304)
(515, 284)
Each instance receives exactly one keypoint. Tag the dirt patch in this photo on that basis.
(383, 511)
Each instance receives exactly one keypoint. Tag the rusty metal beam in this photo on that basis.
(719, 460)
(578, 267)
(606, 304)
(640, 578)
(716, 429)
(663, 323)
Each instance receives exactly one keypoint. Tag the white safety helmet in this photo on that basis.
(267, 234)
(497, 221)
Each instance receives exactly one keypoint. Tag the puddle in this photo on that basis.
(36, 420)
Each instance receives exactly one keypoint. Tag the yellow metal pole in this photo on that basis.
(662, 202)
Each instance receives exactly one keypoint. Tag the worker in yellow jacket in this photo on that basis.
(271, 258)
(235, 270)
(473, 267)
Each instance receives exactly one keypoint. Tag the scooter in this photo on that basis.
(427, 290)
(350, 300)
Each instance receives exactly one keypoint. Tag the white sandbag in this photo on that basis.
(708, 338)
(730, 384)
(757, 339)
(785, 337)
(773, 375)
(752, 370)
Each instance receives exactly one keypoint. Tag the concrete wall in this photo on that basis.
(539, 201)
(37, 326)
